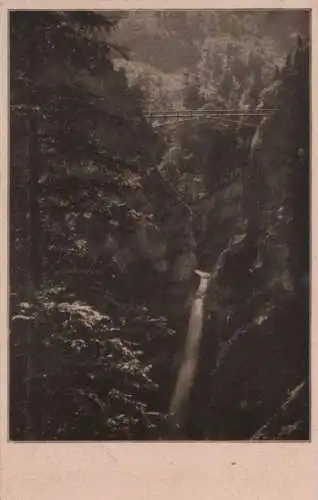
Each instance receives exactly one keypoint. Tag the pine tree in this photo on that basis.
(80, 148)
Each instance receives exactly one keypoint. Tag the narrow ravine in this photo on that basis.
(191, 351)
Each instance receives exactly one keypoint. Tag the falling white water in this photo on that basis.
(189, 362)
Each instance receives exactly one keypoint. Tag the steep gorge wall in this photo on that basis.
(255, 345)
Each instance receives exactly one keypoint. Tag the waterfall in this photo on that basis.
(191, 351)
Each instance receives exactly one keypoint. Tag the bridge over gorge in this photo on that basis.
(226, 116)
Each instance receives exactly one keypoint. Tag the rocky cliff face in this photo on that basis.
(253, 373)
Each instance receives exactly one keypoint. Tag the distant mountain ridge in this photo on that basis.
(164, 48)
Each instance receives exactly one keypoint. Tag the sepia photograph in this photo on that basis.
(159, 225)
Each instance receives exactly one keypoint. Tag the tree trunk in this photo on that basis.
(33, 411)
(34, 169)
